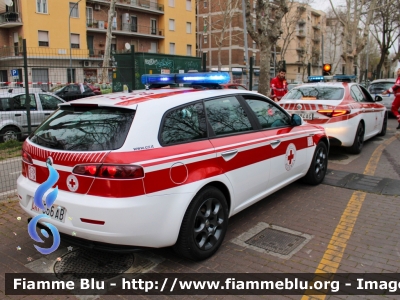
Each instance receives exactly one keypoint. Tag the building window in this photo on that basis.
(171, 3)
(205, 3)
(188, 27)
(89, 16)
(69, 77)
(43, 38)
(73, 9)
(171, 48)
(74, 40)
(189, 5)
(171, 24)
(205, 39)
(189, 50)
(153, 26)
(114, 45)
(41, 6)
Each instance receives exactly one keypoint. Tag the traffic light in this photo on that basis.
(326, 69)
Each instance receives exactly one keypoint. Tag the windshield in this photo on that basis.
(379, 87)
(315, 93)
(85, 128)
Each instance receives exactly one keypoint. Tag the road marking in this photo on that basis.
(332, 257)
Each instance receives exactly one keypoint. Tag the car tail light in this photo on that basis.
(334, 112)
(110, 171)
(26, 157)
(87, 170)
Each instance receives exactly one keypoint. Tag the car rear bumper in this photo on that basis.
(138, 221)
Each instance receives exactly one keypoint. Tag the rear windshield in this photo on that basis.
(315, 93)
(85, 128)
(379, 87)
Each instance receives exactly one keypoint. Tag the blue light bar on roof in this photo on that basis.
(344, 77)
(315, 78)
(187, 78)
(198, 78)
(158, 79)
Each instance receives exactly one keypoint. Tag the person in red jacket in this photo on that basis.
(279, 86)
(396, 102)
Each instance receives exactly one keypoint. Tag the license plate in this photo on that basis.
(55, 212)
(306, 116)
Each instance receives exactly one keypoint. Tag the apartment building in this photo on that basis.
(301, 40)
(70, 36)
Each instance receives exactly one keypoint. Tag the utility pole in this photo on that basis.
(106, 60)
(246, 48)
(366, 65)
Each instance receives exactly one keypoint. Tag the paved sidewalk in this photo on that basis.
(367, 237)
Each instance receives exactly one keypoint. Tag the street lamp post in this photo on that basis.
(69, 33)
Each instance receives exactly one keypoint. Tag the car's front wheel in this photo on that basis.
(358, 140)
(319, 164)
(204, 225)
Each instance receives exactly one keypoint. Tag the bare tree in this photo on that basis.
(267, 30)
(371, 53)
(106, 59)
(333, 42)
(354, 37)
(385, 30)
(289, 24)
(222, 12)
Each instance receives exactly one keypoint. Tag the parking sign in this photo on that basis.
(14, 73)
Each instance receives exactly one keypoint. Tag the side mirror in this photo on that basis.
(378, 98)
(296, 120)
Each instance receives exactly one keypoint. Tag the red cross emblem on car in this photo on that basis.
(290, 156)
(72, 183)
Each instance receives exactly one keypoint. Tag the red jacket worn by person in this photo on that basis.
(395, 89)
(279, 88)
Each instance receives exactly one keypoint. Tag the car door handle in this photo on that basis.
(47, 114)
(228, 155)
(17, 115)
(275, 143)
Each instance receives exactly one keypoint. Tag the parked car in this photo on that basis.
(13, 115)
(234, 86)
(74, 91)
(294, 84)
(166, 166)
(347, 111)
(380, 85)
(95, 89)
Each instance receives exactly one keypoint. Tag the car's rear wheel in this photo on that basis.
(319, 164)
(204, 225)
(10, 133)
(358, 140)
(384, 125)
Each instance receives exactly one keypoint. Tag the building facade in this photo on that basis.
(300, 43)
(67, 38)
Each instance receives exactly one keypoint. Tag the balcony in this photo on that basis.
(10, 19)
(316, 38)
(100, 26)
(141, 5)
(301, 33)
(301, 21)
(300, 49)
(317, 27)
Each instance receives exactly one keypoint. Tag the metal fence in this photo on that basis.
(29, 77)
